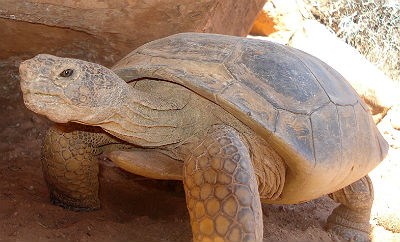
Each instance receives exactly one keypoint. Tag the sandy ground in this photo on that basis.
(140, 209)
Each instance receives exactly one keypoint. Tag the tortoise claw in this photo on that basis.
(86, 206)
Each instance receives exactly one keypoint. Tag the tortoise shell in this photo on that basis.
(308, 112)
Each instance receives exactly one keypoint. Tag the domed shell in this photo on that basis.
(309, 113)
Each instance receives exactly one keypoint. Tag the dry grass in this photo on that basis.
(372, 27)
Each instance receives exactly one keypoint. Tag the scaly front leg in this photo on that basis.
(69, 164)
(221, 189)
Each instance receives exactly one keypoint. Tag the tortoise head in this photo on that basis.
(65, 89)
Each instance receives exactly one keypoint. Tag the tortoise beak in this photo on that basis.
(25, 76)
(23, 70)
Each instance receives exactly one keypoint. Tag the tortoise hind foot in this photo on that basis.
(350, 219)
(349, 224)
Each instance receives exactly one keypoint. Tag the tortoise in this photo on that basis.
(240, 121)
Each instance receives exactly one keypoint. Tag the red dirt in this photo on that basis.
(133, 208)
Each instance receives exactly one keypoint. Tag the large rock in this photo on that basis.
(106, 30)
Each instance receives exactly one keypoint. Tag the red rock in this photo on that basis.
(105, 31)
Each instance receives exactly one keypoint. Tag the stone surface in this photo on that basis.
(105, 31)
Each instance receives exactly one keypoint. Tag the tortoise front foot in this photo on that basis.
(75, 204)
(221, 190)
(350, 225)
(70, 169)
(350, 219)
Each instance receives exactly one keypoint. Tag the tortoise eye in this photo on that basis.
(66, 73)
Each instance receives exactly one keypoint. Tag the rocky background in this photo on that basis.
(105, 31)
(140, 209)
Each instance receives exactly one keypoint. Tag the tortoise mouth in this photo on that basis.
(42, 103)
(48, 105)
(31, 96)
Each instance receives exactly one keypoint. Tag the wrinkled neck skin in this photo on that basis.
(146, 119)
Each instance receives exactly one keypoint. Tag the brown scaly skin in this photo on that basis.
(351, 218)
(70, 169)
(221, 189)
(69, 164)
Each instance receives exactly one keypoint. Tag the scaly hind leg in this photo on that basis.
(70, 165)
(221, 189)
(350, 219)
